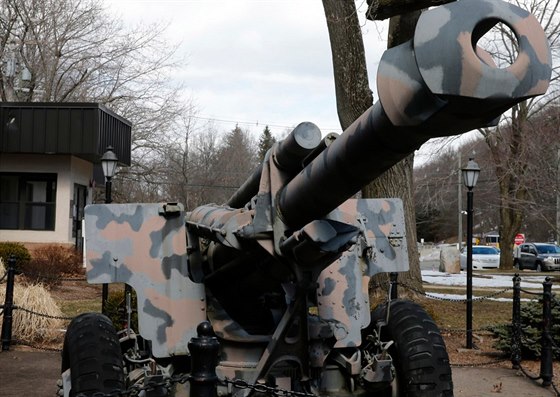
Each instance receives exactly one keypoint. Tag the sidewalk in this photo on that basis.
(495, 382)
(33, 373)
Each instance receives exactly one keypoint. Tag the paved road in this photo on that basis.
(32, 373)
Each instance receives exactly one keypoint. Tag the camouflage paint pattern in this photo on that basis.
(342, 295)
(138, 245)
(219, 222)
(301, 213)
(474, 77)
(434, 85)
(411, 89)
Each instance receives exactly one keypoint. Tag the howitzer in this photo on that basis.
(281, 271)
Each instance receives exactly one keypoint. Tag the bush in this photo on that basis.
(18, 250)
(531, 331)
(50, 263)
(115, 308)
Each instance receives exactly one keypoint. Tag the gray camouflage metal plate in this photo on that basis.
(144, 246)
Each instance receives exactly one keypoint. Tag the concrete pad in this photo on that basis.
(495, 382)
(35, 373)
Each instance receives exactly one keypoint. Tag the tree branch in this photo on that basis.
(383, 9)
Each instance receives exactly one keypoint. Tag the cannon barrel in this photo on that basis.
(438, 84)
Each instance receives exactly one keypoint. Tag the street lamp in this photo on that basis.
(109, 162)
(470, 177)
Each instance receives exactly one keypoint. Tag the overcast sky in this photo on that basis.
(255, 62)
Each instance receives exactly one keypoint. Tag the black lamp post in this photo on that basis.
(470, 177)
(109, 162)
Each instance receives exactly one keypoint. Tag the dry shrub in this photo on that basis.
(31, 328)
(50, 263)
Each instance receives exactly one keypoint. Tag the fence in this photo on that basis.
(547, 343)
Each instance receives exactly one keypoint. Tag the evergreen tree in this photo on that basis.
(266, 141)
(234, 163)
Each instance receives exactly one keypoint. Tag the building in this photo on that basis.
(49, 153)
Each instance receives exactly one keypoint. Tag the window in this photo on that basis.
(486, 251)
(547, 249)
(27, 201)
(492, 240)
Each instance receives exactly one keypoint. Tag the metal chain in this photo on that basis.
(262, 388)
(44, 277)
(3, 277)
(527, 374)
(23, 343)
(477, 298)
(135, 390)
(42, 314)
(530, 292)
(517, 337)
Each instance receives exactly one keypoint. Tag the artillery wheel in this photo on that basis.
(419, 355)
(93, 356)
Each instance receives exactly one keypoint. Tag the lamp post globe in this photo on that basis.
(470, 174)
(109, 162)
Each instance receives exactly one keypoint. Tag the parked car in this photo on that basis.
(484, 257)
(537, 256)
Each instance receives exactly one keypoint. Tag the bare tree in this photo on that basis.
(74, 50)
(436, 184)
(510, 142)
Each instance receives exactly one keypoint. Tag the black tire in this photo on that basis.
(419, 354)
(93, 354)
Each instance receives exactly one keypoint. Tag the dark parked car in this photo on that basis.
(537, 256)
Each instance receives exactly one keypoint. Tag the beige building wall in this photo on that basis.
(69, 170)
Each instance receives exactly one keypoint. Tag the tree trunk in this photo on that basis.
(398, 180)
(511, 170)
(353, 97)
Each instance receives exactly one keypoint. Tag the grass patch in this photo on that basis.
(452, 315)
(72, 308)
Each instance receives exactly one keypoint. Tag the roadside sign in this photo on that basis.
(519, 239)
